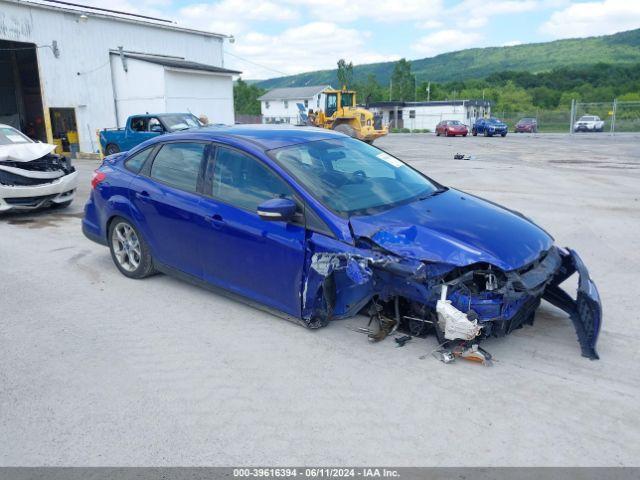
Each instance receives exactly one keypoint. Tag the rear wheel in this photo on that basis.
(129, 251)
(474, 132)
(111, 149)
(346, 129)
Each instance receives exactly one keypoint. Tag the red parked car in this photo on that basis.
(527, 125)
(451, 128)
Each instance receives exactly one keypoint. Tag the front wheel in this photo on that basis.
(503, 134)
(129, 251)
(486, 133)
(346, 129)
(111, 149)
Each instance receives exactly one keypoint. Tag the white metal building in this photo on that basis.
(280, 105)
(66, 70)
(426, 115)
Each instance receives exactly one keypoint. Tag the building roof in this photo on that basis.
(294, 93)
(69, 7)
(448, 103)
(176, 62)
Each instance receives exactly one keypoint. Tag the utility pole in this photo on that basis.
(390, 88)
(573, 115)
(429, 92)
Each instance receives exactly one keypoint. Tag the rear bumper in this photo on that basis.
(38, 196)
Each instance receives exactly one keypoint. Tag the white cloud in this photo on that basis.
(235, 16)
(313, 46)
(512, 43)
(446, 41)
(347, 11)
(593, 18)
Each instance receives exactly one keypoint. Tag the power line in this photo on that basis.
(257, 64)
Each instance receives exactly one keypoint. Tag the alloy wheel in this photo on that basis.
(126, 247)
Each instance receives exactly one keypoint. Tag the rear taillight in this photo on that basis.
(97, 178)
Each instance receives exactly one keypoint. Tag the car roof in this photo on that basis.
(7, 126)
(266, 137)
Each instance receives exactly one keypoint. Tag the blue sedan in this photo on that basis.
(315, 226)
(489, 127)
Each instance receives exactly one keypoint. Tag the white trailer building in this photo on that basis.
(68, 70)
(280, 105)
(426, 115)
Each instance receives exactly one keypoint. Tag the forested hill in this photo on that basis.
(619, 48)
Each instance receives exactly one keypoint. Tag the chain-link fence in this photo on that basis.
(613, 117)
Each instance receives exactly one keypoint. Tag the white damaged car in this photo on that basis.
(31, 175)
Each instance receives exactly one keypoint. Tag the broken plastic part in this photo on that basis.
(454, 323)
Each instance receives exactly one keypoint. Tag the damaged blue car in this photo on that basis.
(315, 226)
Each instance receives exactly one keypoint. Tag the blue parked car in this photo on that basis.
(489, 127)
(315, 226)
(140, 128)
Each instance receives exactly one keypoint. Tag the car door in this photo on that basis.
(166, 202)
(261, 260)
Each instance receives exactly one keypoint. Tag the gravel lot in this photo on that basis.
(97, 369)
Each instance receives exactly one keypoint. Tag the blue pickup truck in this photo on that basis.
(143, 127)
(489, 127)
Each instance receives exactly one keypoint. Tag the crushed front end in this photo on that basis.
(35, 178)
(460, 305)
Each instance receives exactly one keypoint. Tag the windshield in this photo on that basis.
(11, 136)
(347, 99)
(351, 177)
(493, 120)
(527, 120)
(180, 122)
(588, 119)
(454, 122)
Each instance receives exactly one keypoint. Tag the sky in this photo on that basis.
(282, 37)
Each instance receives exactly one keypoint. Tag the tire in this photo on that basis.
(111, 149)
(503, 135)
(121, 230)
(474, 132)
(464, 134)
(346, 129)
(486, 133)
(437, 133)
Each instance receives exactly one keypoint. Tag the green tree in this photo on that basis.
(370, 90)
(245, 98)
(345, 73)
(402, 81)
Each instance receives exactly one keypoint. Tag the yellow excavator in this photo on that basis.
(341, 114)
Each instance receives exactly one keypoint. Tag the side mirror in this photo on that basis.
(277, 209)
(157, 128)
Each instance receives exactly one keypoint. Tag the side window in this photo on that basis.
(136, 162)
(139, 124)
(155, 125)
(332, 104)
(244, 182)
(178, 164)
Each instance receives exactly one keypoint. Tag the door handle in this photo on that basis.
(216, 220)
(143, 195)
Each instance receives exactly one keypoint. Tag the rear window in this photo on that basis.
(136, 162)
(11, 136)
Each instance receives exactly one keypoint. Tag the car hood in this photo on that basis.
(456, 228)
(25, 152)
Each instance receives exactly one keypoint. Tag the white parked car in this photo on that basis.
(31, 175)
(588, 123)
